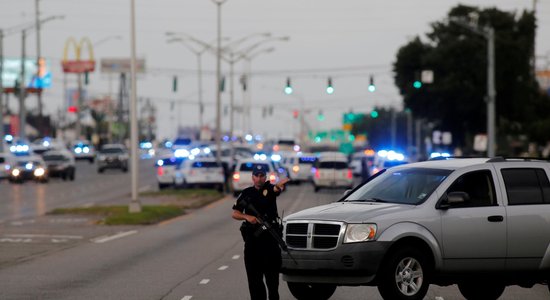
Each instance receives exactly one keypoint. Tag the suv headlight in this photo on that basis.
(356, 233)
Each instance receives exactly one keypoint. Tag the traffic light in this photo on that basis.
(288, 87)
(372, 87)
(417, 84)
(320, 116)
(295, 113)
(86, 78)
(175, 84)
(330, 89)
(222, 84)
(374, 114)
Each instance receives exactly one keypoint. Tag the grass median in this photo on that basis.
(157, 206)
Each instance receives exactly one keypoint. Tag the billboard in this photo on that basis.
(40, 77)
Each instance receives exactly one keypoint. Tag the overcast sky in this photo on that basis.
(346, 40)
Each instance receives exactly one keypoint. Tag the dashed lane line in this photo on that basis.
(187, 298)
(223, 268)
(204, 281)
(235, 257)
(107, 238)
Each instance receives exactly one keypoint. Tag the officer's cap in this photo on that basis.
(259, 169)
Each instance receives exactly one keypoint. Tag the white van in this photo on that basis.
(332, 171)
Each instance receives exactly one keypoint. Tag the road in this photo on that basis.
(196, 256)
(31, 198)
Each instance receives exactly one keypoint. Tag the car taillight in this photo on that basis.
(317, 174)
(160, 171)
(236, 176)
(350, 174)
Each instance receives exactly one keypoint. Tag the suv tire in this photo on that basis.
(404, 275)
(307, 291)
(481, 290)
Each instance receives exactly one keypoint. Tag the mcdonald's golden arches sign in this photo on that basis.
(78, 65)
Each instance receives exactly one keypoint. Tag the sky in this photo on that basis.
(348, 41)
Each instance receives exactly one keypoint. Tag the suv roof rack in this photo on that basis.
(516, 158)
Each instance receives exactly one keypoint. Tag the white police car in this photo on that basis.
(83, 150)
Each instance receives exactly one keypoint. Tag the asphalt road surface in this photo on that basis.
(196, 256)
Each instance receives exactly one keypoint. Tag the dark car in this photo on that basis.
(112, 156)
(29, 168)
(60, 163)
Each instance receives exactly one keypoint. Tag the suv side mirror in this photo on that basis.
(346, 192)
(453, 199)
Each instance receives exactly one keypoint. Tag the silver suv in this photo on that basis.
(480, 223)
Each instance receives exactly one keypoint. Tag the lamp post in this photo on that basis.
(488, 33)
(218, 82)
(199, 54)
(135, 205)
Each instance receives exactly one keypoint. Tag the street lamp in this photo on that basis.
(488, 33)
(198, 53)
(218, 134)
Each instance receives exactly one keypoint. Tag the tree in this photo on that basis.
(458, 57)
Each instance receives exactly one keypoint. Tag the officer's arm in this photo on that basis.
(280, 186)
(240, 216)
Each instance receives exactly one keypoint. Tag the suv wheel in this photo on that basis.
(404, 275)
(305, 291)
(481, 290)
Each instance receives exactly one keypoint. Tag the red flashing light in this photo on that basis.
(160, 171)
(72, 109)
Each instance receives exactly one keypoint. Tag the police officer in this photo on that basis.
(262, 255)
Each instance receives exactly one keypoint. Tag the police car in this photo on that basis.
(83, 150)
(242, 176)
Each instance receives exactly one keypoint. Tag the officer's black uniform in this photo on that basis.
(262, 255)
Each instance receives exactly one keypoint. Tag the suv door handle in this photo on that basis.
(495, 218)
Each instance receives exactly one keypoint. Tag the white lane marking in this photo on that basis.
(45, 236)
(439, 298)
(223, 268)
(106, 238)
(204, 281)
(235, 256)
(187, 298)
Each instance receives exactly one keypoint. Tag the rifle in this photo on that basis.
(266, 226)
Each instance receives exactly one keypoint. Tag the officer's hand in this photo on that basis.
(281, 184)
(251, 219)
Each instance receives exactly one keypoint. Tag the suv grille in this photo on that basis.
(313, 235)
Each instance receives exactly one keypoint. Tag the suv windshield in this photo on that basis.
(111, 150)
(406, 186)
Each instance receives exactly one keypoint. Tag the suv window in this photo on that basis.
(411, 186)
(205, 164)
(479, 186)
(526, 186)
(339, 165)
(250, 166)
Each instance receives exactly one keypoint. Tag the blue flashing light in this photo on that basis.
(382, 153)
(8, 138)
(145, 145)
(439, 154)
(275, 157)
(248, 137)
(168, 144)
(195, 151)
(207, 150)
(225, 138)
(28, 166)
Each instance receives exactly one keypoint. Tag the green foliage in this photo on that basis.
(458, 57)
(120, 215)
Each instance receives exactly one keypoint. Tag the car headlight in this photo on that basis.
(39, 172)
(15, 172)
(102, 157)
(356, 233)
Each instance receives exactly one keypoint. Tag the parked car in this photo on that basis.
(29, 168)
(332, 171)
(61, 163)
(202, 172)
(242, 176)
(480, 223)
(83, 150)
(168, 174)
(112, 156)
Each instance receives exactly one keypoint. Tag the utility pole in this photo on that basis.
(22, 89)
(38, 56)
(488, 33)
